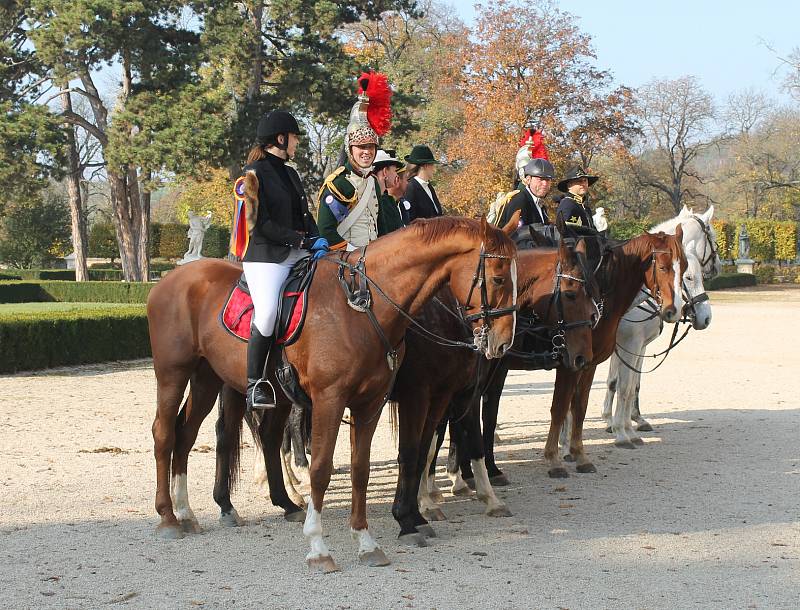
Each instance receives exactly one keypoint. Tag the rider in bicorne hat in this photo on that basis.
(348, 201)
(574, 206)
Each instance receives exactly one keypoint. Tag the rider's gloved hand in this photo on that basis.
(317, 245)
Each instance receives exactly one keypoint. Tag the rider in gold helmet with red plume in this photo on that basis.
(348, 201)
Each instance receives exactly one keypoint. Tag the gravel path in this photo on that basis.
(706, 514)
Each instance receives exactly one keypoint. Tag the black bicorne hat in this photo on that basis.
(573, 174)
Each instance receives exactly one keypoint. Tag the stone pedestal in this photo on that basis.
(188, 258)
(744, 265)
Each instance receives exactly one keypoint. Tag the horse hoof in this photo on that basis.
(609, 430)
(499, 480)
(437, 497)
(637, 441)
(558, 473)
(461, 491)
(324, 564)
(470, 483)
(644, 427)
(499, 511)
(413, 539)
(374, 559)
(169, 531)
(434, 514)
(231, 519)
(297, 516)
(569, 458)
(191, 526)
(624, 444)
(426, 530)
(586, 468)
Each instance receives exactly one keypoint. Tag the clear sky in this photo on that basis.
(724, 44)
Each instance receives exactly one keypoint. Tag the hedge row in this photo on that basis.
(769, 239)
(730, 280)
(74, 292)
(49, 339)
(99, 275)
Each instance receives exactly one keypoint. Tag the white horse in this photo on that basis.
(638, 327)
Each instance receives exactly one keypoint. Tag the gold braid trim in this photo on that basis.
(330, 186)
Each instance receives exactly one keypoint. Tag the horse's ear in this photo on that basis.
(679, 233)
(685, 212)
(484, 227)
(708, 214)
(512, 223)
(580, 247)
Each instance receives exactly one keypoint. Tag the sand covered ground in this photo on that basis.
(706, 514)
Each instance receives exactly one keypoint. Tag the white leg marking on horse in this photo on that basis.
(180, 498)
(484, 488)
(288, 471)
(426, 502)
(366, 543)
(564, 435)
(458, 483)
(312, 529)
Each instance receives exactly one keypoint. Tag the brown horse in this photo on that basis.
(551, 284)
(655, 260)
(341, 358)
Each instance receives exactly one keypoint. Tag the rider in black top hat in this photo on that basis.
(574, 206)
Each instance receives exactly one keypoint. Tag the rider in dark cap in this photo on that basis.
(537, 178)
(574, 206)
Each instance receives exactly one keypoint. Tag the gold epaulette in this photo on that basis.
(329, 183)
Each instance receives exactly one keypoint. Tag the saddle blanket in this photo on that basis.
(238, 313)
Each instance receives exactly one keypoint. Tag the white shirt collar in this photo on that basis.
(421, 181)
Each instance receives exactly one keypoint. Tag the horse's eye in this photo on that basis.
(689, 278)
(664, 269)
(498, 281)
(570, 294)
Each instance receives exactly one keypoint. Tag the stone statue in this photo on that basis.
(599, 218)
(198, 225)
(744, 243)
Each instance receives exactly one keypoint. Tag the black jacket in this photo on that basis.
(273, 236)
(576, 213)
(421, 204)
(523, 201)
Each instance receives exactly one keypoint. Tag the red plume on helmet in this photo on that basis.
(379, 113)
(533, 139)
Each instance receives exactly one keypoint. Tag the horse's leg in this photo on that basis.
(204, 388)
(171, 382)
(271, 431)
(428, 507)
(327, 415)
(361, 433)
(430, 475)
(286, 454)
(412, 411)
(491, 407)
(296, 428)
(580, 401)
(632, 397)
(229, 429)
(611, 388)
(562, 397)
(253, 421)
(625, 385)
(473, 445)
(642, 424)
(457, 466)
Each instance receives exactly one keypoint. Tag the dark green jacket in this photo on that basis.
(389, 218)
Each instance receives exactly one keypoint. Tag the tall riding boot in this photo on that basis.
(260, 393)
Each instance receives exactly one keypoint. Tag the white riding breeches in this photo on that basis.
(264, 281)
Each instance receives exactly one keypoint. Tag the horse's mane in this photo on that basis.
(647, 242)
(668, 225)
(432, 230)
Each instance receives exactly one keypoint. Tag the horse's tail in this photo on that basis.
(229, 434)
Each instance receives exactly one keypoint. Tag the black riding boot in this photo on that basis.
(260, 393)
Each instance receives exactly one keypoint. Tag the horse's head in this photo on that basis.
(484, 280)
(664, 271)
(697, 306)
(698, 228)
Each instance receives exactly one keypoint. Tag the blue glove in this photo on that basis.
(318, 246)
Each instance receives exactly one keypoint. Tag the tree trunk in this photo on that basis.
(126, 229)
(144, 231)
(79, 239)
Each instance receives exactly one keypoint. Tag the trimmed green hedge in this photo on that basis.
(730, 280)
(49, 339)
(75, 292)
(769, 239)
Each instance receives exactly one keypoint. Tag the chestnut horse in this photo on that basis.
(655, 260)
(343, 357)
(551, 284)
